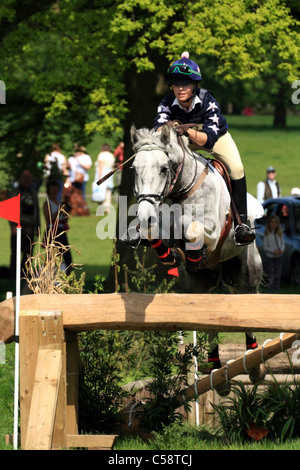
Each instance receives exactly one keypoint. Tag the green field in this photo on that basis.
(260, 146)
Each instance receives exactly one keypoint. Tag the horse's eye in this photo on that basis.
(163, 170)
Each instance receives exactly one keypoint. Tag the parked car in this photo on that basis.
(288, 211)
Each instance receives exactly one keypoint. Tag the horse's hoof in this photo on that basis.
(224, 389)
(257, 374)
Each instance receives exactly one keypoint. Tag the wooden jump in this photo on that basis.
(49, 356)
(130, 311)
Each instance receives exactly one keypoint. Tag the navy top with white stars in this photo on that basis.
(204, 110)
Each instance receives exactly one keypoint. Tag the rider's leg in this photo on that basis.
(226, 151)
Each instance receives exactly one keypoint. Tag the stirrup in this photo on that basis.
(238, 243)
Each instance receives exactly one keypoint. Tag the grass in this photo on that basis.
(189, 437)
(260, 146)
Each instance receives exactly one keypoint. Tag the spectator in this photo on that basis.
(79, 166)
(104, 164)
(119, 155)
(56, 167)
(56, 220)
(273, 245)
(269, 188)
(29, 220)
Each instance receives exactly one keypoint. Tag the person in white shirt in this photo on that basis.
(79, 166)
(268, 189)
(273, 245)
(103, 165)
(56, 167)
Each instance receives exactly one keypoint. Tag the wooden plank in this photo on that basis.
(7, 321)
(29, 343)
(100, 442)
(44, 400)
(40, 330)
(73, 362)
(51, 336)
(217, 312)
(249, 360)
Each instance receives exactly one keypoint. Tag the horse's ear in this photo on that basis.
(133, 134)
(165, 134)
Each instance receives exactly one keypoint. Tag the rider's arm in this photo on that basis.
(199, 137)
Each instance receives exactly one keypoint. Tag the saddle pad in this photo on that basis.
(254, 207)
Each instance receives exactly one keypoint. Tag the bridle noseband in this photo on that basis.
(164, 193)
(168, 187)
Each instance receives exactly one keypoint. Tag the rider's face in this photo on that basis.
(184, 93)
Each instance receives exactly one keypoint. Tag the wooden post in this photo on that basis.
(42, 380)
(43, 407)
(73, 359)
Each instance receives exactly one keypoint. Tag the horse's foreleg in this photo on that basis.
(251, 342)
(168, 256)
(214, 359)
(213, 352)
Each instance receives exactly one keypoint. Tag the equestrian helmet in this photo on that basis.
(183, 71)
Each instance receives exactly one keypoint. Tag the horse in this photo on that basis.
(168, 174)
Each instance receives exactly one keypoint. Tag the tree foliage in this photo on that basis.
(67, 63)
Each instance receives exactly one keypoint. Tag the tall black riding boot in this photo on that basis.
(243, 235)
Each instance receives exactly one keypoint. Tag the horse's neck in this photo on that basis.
(190, 171)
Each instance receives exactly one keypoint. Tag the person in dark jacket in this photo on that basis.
(29, 220)
(187, 103)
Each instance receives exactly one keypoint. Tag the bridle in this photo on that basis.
(169, 186)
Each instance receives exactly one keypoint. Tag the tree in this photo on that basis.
(76, 67)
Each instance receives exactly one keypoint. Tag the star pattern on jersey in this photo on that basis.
(163, 117)
(212, 106)
(214, 118)
(214, 128)
(163, 109)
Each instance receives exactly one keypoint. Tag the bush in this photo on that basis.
(273, 412)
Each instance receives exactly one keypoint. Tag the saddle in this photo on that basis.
(220, 167)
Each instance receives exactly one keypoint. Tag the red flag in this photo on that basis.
(10, 209)
(173, 272)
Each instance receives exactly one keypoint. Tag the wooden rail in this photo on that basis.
(127, 311)
(49, 356)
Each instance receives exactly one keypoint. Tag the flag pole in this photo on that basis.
(17, 344)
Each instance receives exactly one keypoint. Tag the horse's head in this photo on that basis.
(156, 165)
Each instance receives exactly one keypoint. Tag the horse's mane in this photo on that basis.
(147, 136)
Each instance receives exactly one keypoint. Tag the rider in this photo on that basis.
(187, 103)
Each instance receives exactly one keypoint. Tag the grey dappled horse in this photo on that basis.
(166, 169)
